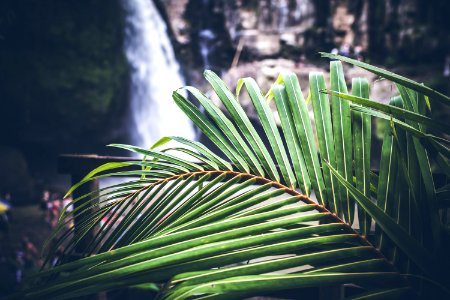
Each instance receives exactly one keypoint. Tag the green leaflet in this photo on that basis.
(293, 143)
(434, 95)
(395, 111)
(211, 131)
(424, 185)
(245, 286)
(228, 130)
(324, 131)
(305, 134)
(397, 234)
(269, 266)
(398, 293)
(342, 128)
(268, 123)
(208, 164)
(387, 178)
(204, 151)
(170, 158)
(243, 122)
(90, 175)
(362, 137)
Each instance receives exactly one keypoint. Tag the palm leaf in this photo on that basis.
(232, 227)
(210, 130)
(221, 237)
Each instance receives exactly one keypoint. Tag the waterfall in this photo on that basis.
(155, 74)
(206, 40)
(283, 15)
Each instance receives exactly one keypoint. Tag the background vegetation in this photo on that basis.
(64, 66)
(63, 84)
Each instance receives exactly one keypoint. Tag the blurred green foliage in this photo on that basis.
(64, 73)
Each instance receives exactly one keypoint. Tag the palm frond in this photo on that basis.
(235, 224)
(229, 230)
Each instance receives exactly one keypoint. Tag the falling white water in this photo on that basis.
(206, 39)
(283, 15)
(155, 74)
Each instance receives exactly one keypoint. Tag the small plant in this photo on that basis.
(245, 226)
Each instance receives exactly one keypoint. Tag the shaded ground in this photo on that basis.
(29, 221)
(24, 221)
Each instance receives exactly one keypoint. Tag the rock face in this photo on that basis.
(401, 29)
(180, 27)
(238, 38)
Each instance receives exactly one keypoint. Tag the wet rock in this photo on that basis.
(175, 10)
(262, 45)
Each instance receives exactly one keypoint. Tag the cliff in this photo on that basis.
(401, 30)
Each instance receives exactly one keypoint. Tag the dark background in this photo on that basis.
(64, 77)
